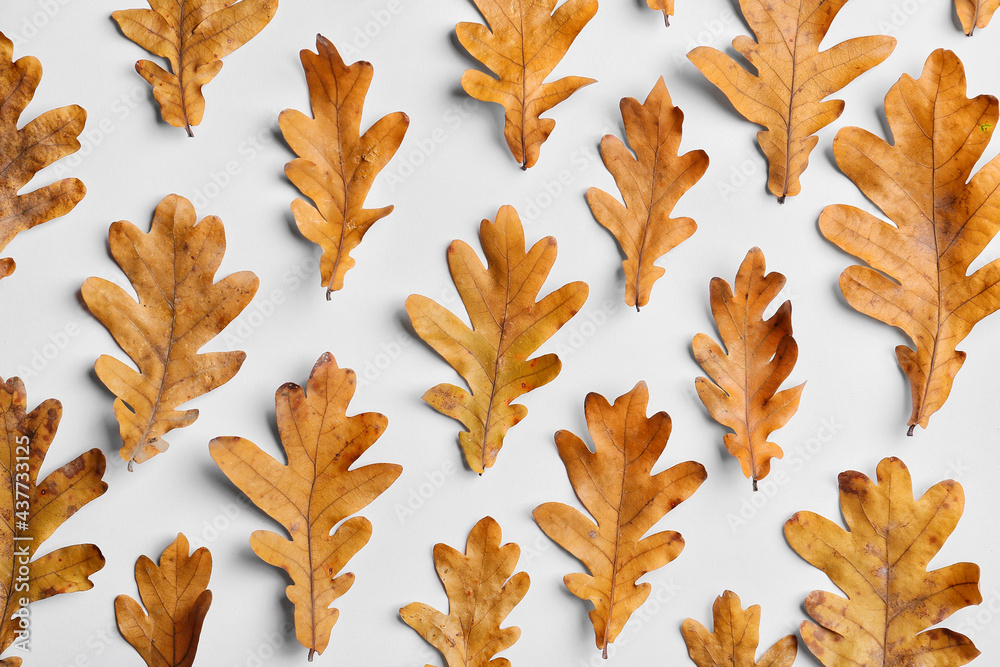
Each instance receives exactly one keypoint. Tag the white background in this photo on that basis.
(452, 171)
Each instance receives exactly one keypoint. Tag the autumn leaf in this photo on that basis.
(615, 485)
(337, 164)
(177, 597)
(975, 13)
(180, 309)
(786, 97)
(650, 183)
(880, 562)
(193, 36)
(734, 641)
(481, 593)
(317, 490)
(760, 354)
(522, 44)
(33, 510)
(26, 151)
(665, 6)
(508, 325)
(918, 277)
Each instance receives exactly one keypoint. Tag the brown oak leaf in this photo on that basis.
(794, 77)
(336, 164)
(314, 492)
(651, 183)
(179, 310)
(665, 6)
(745, 377)
(975, 13)
(522, 44)
(880, 563)
(33, 509)
(25, 151)
(734, 641)
(176, 594)
(508, 325)
(918, 278)
(615, 485)
(481, 593)
(193, 35)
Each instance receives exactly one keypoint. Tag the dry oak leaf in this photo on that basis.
(507, 326)
(177, 597)
(33, 510)
(193, 35)
(786, 97)
(615, 485)
(179, 310)
(337, 164)
(481, 593)
(650, 183)
(317, 490)
(880, 562)
(975, 13)
(25, 151)
(665, 6)
(918, 280)
(522, 44)
(745, 377)
(734, 641)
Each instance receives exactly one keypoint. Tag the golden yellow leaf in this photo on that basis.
(337, 164)
(760, 354)
(317, 490)
(522, 43)
(25, 151)
(177, 597)
(33, 509)
(193, 35)
(615, 485)
(880, 562)
(180, 309)
(975, 13)
(508, 325)
(794, 77)
(481, 593)
(650, 183)
(734, 641)
(943, 220)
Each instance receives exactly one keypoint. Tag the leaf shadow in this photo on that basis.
(403, 319)
(458, 92)
(738, 13)
(152, 104)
